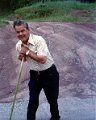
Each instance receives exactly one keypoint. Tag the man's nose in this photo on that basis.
(20, 33)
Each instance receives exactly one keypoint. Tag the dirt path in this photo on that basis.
(73, 47)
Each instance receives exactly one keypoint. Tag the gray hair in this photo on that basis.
(20, 22)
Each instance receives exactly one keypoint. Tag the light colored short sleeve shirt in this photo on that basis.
(38, 45)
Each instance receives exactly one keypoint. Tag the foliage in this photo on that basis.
(14, 4)
(55, 11)
(40, 10)
(90, 1)
(3, 23)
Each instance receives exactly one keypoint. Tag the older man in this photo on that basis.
(43, 72)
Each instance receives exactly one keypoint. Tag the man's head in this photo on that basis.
(22, 30)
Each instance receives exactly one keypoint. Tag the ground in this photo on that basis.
(72, 46)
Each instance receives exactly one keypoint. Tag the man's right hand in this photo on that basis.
(21, 56)
(22, 53)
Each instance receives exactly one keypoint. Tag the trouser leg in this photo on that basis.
(32, 108)
(54, 111)
(51, 89)
(34, 91)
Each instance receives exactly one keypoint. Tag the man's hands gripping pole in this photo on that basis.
(22, 54)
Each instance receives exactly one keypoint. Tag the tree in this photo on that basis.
(90, 1)
(13, 4)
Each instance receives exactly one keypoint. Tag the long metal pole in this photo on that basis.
(16, 90)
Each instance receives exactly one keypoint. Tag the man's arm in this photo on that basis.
(38, 58)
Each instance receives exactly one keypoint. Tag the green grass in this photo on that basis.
(3, 23)
(56, 11)
(3, 18)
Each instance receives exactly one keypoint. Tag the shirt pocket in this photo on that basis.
(33, 48)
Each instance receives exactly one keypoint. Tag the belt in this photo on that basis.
(43, 71)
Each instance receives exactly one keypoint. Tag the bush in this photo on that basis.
(42, 10)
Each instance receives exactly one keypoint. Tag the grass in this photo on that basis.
(3, 17)
(3, 23)
(56, 12)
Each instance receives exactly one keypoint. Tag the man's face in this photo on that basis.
(22, 33)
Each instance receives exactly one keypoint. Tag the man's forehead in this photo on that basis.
(20, 27)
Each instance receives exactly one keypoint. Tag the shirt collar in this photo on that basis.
(30, 41)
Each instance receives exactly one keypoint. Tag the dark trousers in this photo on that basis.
(49, 81)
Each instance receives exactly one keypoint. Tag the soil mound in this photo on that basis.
(73, 48)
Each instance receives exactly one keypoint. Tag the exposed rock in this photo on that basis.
(73, 48)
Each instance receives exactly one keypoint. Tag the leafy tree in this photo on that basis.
(13, 4)
(90, 1)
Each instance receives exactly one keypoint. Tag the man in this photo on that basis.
(43, 72)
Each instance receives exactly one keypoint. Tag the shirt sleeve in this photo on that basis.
(42, 48)
(18, 48)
